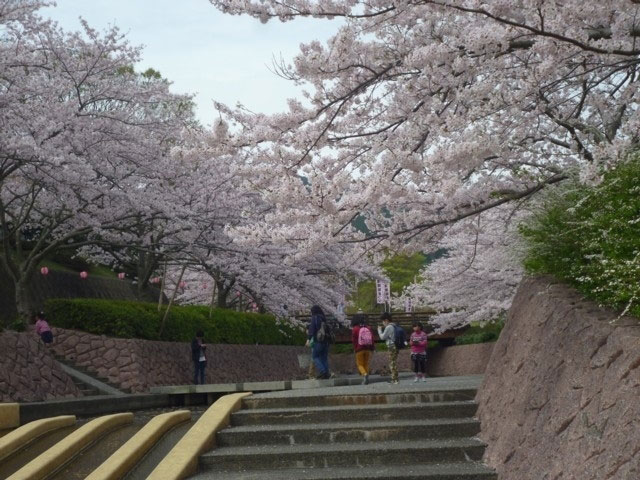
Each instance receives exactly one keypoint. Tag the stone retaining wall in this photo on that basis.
(28, 371)
(449, 361)
(561, 394)
(137, 365)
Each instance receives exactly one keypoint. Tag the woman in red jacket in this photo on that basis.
(363, 345)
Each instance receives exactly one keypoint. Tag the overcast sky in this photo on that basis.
(202, 51)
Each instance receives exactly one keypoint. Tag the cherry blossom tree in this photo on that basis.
(82, 135)
(236, 246)
(420, 115)
(476, 279)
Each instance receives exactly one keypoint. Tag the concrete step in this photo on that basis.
(334, 414)
(83, 378)
(444, 471)
(359, 399)
(347, 432)
(234, 459)
(89, 392)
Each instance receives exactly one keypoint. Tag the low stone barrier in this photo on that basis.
(441, 362)
(28, 371)
(137, 365)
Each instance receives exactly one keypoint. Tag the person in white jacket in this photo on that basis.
(388, 335)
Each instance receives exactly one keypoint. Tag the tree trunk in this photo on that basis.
(223, 293)
(24, 301)
(173, 297)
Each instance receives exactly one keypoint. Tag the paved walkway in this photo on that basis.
(406, 385)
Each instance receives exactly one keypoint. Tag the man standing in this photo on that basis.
(388, 335)
(198, 356)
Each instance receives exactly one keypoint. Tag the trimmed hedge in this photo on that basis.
(126, 319)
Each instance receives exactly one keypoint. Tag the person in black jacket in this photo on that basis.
(198, 356)
(319, 346)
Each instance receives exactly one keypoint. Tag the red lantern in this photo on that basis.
(155, 280)
(182, 285)
(121, 275)
(83, 275)
(205, 285)
(44, 270)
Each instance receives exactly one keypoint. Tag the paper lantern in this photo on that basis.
(182, 285)
(83, 275)
(44, 271)
(121, 275)
(155, 280)
(205, 285)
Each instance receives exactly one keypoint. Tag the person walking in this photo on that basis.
(318, 339)
(388, 335)
(199, 357)
(363, 345)
(418, 343)
(43, 329)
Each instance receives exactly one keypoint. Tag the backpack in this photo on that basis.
(325, 334)
(365, 338)
(399, 337)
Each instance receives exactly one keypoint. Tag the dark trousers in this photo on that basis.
(419, 362)
(320, 356)
(199, 371)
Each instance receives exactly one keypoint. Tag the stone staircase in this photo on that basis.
(86, 381)
(384, 434)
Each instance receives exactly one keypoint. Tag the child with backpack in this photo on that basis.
(388, 335)
(363, 345)
(418, 342)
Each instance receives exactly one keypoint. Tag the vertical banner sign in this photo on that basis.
(408, 305)
(380, 291)
(383, 291)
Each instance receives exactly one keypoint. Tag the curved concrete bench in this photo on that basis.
(182, 460)
(23, 435)
(69, 446)
(123, 459)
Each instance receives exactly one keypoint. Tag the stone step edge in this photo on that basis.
(316, 448)
(342, 408)
(369, 424)
(304, 395)
(448, 471)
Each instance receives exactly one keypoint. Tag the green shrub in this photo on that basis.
(589, 237)
(127, 319)
(488, 332)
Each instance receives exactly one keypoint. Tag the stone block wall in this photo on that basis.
(449, 361)
(137, 365)
(28, 371)
(561, 394)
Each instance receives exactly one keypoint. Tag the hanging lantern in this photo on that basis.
(155, 280)
(121, 275)
(83, 275)
(182, 285)
(44, 271)
(205, 285)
